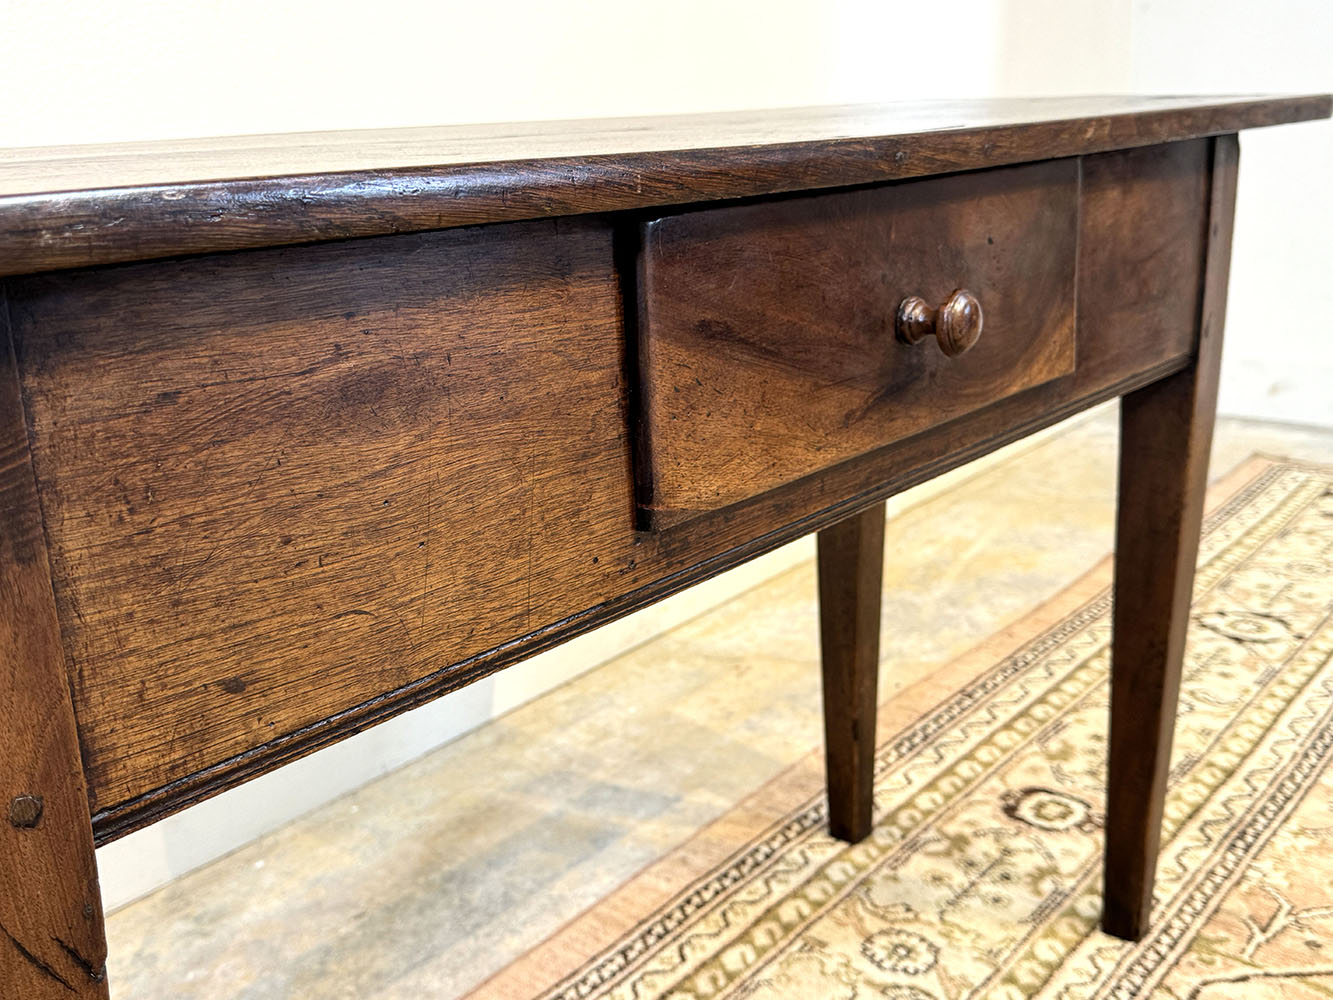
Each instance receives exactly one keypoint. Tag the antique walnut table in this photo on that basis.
(302, 431)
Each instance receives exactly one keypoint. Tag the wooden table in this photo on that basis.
(302, 431)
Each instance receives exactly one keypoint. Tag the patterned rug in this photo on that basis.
(981, 877)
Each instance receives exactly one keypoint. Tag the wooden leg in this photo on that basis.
(52, 943)
(1165, 432)
(851, 566)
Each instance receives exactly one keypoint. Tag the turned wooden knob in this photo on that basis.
(956, 324)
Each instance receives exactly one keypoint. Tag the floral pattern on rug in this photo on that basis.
(981, 876)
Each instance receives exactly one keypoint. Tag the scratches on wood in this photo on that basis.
(315, 493)
(95, 972)
(36, 962)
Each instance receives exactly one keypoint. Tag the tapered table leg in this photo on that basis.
(851, 566)
(1165, 432)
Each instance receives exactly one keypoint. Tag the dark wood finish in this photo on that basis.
(956, 325)
(52, 942)
(1142, 238)
(85, 205)
(767, 347)
(278, 485)
(851, 568)
(224, 366)
(1166, 429)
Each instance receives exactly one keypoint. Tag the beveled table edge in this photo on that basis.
(59, 229)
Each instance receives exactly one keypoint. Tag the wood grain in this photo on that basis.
(52, 942)
(280, 484)
(1142, 240)
(1166, 429)
(80, 206)
(851, 570)
(163, 396)
(767, 346)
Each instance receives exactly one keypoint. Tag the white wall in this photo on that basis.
(106, 70)
(1278, 361)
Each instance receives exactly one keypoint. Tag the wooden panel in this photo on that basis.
(52, 941)
(1141, 257)
(82, 205)
(278, 485)
(766, 331)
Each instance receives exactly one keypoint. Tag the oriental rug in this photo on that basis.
(981, 879)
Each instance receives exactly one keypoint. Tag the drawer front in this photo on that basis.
(767, 346)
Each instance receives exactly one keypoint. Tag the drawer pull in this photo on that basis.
(956, 324)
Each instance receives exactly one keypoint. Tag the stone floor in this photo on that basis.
(425, 882)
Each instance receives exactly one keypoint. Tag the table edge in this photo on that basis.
(68, 229)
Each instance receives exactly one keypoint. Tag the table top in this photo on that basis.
(71, 206)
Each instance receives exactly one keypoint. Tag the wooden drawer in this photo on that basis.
(766, 331)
